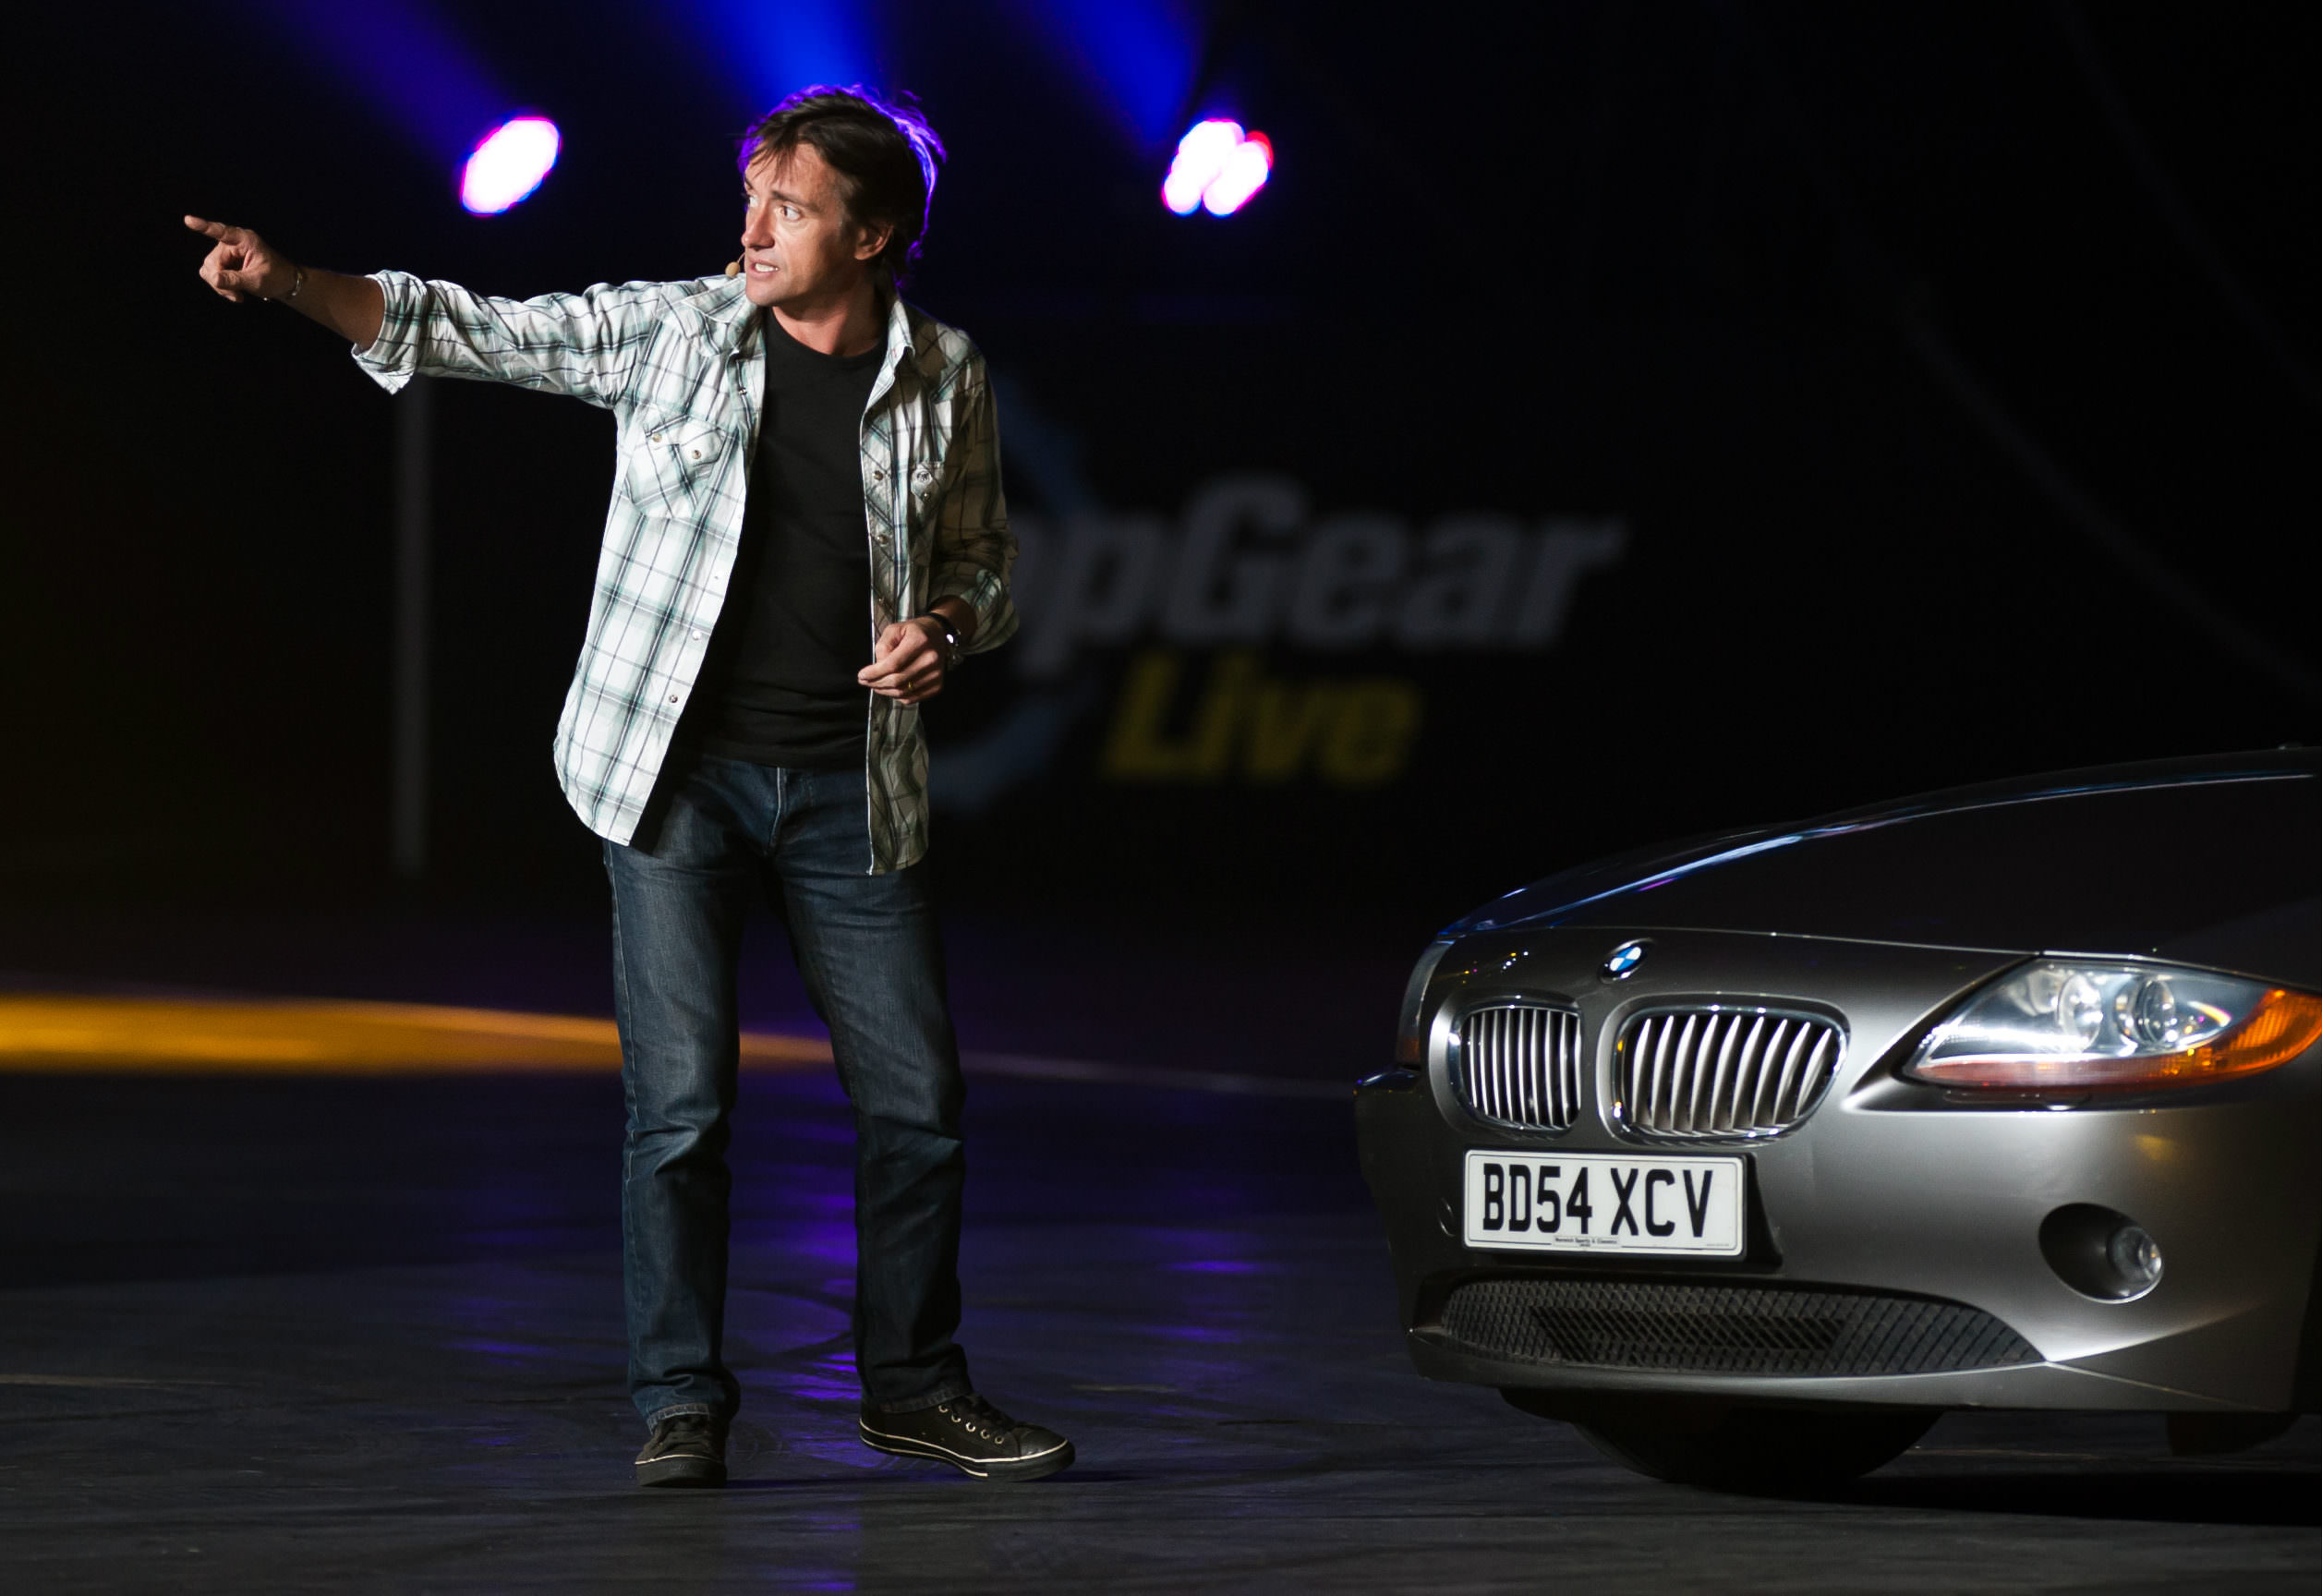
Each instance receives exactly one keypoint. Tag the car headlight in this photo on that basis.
(2072, 1024)
(1410, 1032)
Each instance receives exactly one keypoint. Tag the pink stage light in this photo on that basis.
(1248, 165)
(508, 164)
(1217, 168)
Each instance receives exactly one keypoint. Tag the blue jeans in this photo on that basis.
(872, 962)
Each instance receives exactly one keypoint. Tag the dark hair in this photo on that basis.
(885, 154)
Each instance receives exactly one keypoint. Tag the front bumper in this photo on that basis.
(1889, 1190)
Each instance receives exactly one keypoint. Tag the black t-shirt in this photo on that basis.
(797, 622)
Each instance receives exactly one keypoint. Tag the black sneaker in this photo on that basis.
(685, 1449)
(972, 1437)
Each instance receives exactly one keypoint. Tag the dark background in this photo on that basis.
(1948, 367)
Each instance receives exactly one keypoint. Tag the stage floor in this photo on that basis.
(298, 1329)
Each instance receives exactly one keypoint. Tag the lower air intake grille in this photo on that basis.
(1727, 1329)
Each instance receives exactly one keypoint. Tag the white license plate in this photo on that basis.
(1566, 1202)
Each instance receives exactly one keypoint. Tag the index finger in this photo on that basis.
(218, 230)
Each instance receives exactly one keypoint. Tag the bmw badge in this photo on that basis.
(1622, 962)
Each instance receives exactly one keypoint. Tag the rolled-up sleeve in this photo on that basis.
(973, 547)
(586, 346)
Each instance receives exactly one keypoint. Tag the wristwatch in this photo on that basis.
(950, 637)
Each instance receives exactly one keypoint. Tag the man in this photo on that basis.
(807, 533)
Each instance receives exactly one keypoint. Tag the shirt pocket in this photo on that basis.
(925, 482)
(924, 466)
(671, 461)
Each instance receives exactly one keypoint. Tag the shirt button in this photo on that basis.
(657, 437)
(696, 454)
(673, 697)
(879, 474)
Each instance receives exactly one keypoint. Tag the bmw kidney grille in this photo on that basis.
(1519, 1065)
(1717, 1072)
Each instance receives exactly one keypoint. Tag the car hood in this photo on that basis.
(2215, 861)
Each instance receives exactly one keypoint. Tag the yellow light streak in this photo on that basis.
(57, 1033)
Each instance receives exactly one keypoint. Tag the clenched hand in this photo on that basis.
(909, 663)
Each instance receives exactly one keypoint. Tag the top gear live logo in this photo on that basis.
(1246, 568)
(1246, 565)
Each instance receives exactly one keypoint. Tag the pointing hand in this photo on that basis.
(241, 263)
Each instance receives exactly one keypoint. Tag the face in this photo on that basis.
(799, 250)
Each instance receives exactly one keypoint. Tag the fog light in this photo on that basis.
(2135, 1257)
(2100, 1252)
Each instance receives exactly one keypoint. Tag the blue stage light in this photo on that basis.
(1218, 168)
(1135, 58)
(405, 60)
(508, 164)
(763, 51)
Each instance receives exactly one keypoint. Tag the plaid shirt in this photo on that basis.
(682, 365)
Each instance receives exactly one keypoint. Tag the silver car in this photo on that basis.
(1752, 1156)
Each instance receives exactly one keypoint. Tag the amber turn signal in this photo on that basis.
(2283, 1025)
